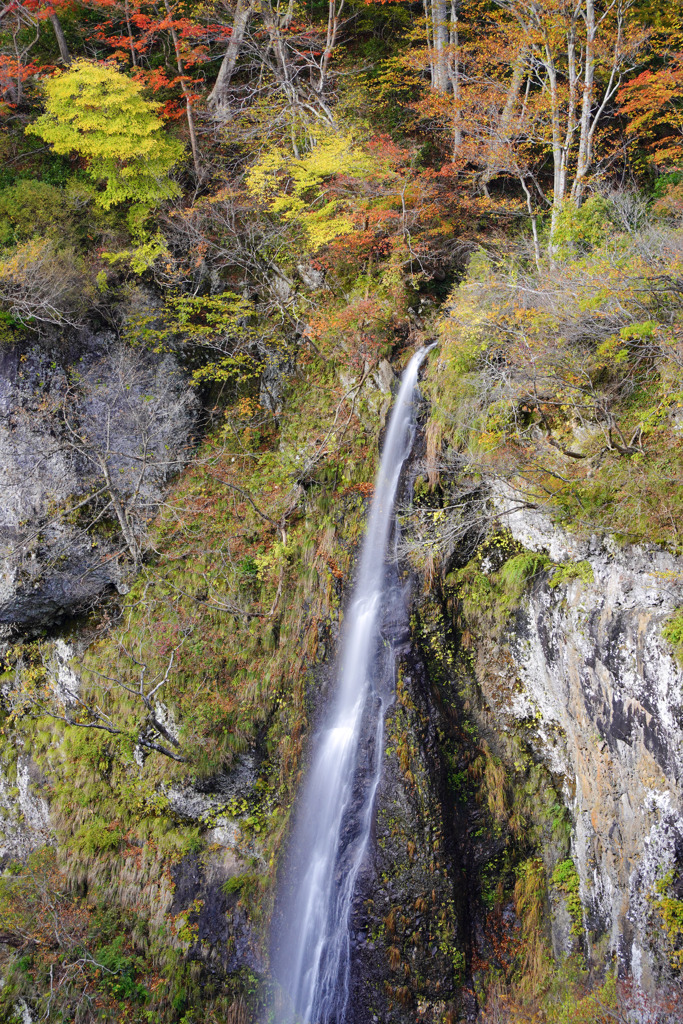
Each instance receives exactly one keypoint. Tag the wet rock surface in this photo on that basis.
(225, 938)
(405, 929)
(406, 933)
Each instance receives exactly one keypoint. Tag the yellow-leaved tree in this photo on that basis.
(100, 114)
(303, 189)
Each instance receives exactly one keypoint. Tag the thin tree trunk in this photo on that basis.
(573, 93)
(333, 16)
(519, 72)
(430, 40)
(590, 120)
(274, 28)
(561, 142)
(583, 159)
(454, 74)
(128, 535)
(133, 55)
(534, 225)
(19, 56)
(219, 94)
(186, 94)
(285, 19)
(558, 156)
(61, 38)
(562, 148)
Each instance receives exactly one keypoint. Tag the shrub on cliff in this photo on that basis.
(672, 631)
(566, 381)
(41, 284)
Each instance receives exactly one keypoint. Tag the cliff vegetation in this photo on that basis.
(224, 228)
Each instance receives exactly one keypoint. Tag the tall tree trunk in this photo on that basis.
(559, 167)
(274, 27)
(186, 93)
(454, 75)
(440, 36)
(562, 140)
(61, 38)
(590, 117)
(584, 154)
(218, 96)
(429, 36)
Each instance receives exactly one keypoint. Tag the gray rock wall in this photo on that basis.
(62, 410)
(585, 673)
(24, 811)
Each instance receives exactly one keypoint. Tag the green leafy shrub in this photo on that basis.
(565, 879)
(670, 911)
(582, 571)
(30, 208)
(95, 111)
(584, 227)
(119, 970)
(672, 631)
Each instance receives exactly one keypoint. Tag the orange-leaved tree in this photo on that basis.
(524, 88)
(653, 104)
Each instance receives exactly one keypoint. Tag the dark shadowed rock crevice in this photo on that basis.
(225, 939)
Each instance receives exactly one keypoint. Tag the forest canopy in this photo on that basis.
(229, 181)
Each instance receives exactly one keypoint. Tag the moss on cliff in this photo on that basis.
(508, 823)
(510, 812)
(672, 631)
(213, 657)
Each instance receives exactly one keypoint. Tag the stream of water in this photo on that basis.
(312, 949)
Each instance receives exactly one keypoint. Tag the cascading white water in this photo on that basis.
(311, 951)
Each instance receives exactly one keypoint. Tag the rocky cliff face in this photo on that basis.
(522, 733)
(582, 673)
(82, 424)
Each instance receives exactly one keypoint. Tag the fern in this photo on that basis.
(98, 836)
(565, 879)
(519, 570)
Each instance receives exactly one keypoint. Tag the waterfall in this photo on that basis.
(311, 941)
